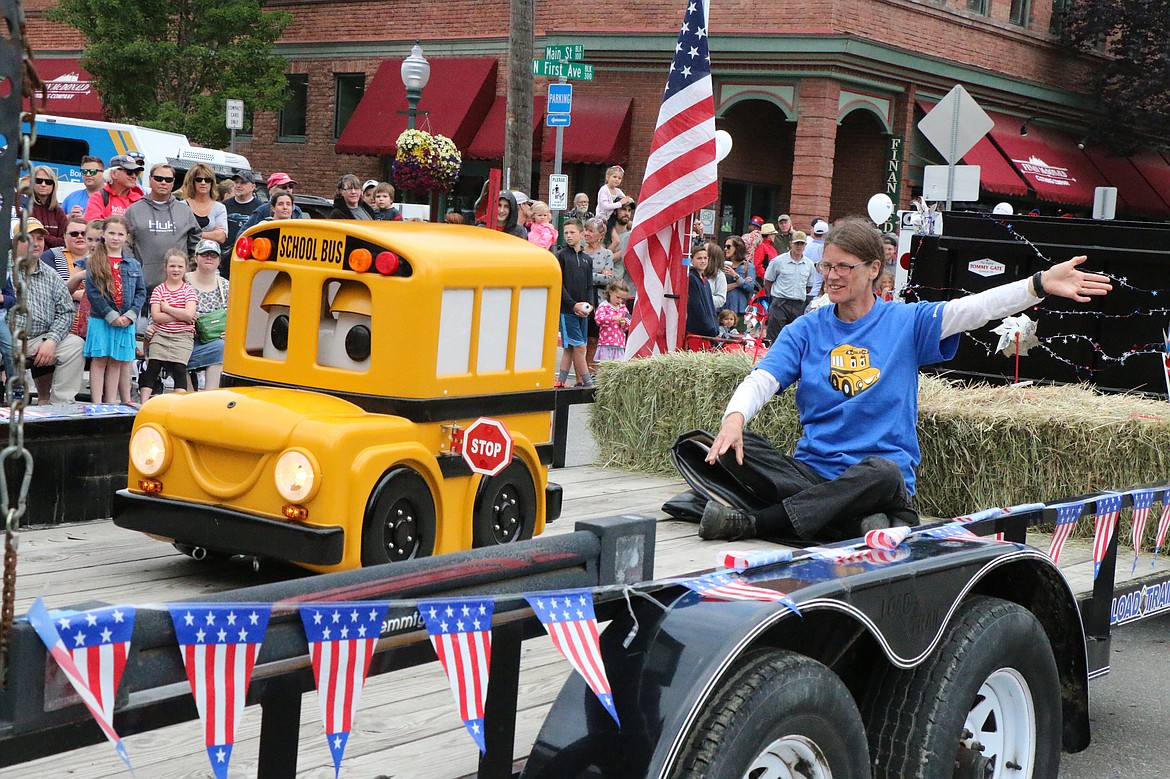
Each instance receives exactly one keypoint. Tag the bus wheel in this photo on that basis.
(780, 714)
(505, 507)
(986, 703)
(848, 388)
(400, 519)
(834, 381)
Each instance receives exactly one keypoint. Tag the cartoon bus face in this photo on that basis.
(354, 355)
(850, 371)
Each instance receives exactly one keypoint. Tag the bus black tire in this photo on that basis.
(778, 708)
(400, 519)
(505, 507)
(993, 676)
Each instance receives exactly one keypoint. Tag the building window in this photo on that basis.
(1021, 12)
(348, 89)
(295, 108)
(981, 7)
(1056, 22)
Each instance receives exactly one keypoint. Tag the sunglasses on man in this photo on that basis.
(164, 179)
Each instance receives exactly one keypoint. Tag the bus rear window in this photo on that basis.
(58, 151)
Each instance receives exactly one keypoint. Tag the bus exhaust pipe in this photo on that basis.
(199, 553)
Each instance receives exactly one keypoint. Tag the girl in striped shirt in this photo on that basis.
(172, 311)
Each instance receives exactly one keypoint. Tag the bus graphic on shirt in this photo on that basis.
(850, 371)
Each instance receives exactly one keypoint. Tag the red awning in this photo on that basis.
(599, 133)
(1155, 169)
(1133, 190)
(68, 90)
(996, 174)
(455, 101)
(1048, 159)
(489, 141)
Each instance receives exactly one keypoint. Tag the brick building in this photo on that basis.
(821, 97)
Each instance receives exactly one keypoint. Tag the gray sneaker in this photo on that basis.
(725, 522)
(877, 521)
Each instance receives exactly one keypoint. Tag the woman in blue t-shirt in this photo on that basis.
(857, 362)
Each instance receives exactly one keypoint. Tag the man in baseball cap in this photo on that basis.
(281, 180)
(119, 192)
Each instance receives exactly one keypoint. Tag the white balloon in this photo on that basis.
(1003, 209)
(880, 207)
(722, 144)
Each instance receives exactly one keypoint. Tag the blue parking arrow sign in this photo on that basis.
(558, 120)
(560, 99)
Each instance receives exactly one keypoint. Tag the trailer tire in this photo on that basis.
(780, 710)
(400, 519)
(992, 682)
(505, 507)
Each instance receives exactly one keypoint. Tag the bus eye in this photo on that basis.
(279, 332)
(357, 343)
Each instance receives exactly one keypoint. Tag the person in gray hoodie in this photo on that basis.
(159, 223)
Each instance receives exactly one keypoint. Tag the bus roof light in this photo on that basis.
(360, 259)
(387, 263)
(244, 248)
(261, 248)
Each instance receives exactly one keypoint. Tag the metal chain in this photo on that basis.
(15, 458)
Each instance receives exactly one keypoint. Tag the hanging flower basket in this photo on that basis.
(425, 163)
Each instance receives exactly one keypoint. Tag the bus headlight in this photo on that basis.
(150, 450)
(297, 476)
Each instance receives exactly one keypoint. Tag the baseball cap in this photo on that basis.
(758, 221)
(125, 162)
(798, 236)
(521, 198)
(369, 183)
(244, 175)
(279, 180)
(34, 224)
(784, 218)
(820, 228)
(207, 246)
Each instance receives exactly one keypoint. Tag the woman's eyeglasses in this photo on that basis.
(43, 181)
(164, 179)
(75, 233)
(842, 268)
(202, 180)
(728, 246)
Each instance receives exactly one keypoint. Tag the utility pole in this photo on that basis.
(518, 131)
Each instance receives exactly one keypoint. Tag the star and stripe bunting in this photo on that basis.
(1067, 515)
(727, 586)
(886, 538)
(219, 643)
(1108, 509)
(93, 659)
(461, 633)
(952, 531)
(569, 618)
(341, 644)
(681, 179)
(1143, 500)
(1163, 522)
(743, 561)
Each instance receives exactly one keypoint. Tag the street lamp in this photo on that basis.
(416, 71)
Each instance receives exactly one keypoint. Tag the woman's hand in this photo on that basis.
(1064, 280)
(730, 437)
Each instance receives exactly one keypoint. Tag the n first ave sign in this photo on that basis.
(578, 71)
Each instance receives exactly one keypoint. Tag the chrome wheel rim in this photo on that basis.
(790, 757)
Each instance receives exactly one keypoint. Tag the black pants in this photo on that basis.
(781, 312)
(149, 376)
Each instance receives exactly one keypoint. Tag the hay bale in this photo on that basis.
(982, 445)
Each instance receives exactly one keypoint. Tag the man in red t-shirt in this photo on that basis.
(766, 250)
(121, 190)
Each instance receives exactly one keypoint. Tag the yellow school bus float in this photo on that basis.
(355, 355)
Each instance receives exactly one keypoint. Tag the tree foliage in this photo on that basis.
(1134, 82)
(171, 64)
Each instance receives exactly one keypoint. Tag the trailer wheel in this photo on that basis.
(780, 715)
(505, 507)
(400, 519)
(986, 704)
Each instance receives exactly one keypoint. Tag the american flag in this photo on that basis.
(956, 530)
(91, 649)
(341, 643)
(742, 561)
(886, 538)
(219, 643)
(1163, 522)
(1066, 520)
(725, 586)
(568, 617)
(1142, 501)
(461, 633)
(680, 179)
(1108, 509)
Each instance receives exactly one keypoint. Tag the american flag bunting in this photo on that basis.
(1108, 509)
(1066, 520)
(219, 643)
(1163, 522)
(886, 538)
(568, 617)
(1143, 500)
(742, 561)
(341, 643)
(461, 633)
(726, 586)
(91, 649)
(680, 180)
(955, 531)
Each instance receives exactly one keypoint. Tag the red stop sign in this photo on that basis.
(487, 446)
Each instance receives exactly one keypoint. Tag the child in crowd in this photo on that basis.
(384, 209)
(727, 319)
(172, 333)
(610, 196)
(541, 232)
(116, 290)
(612, 322)
(885, 286)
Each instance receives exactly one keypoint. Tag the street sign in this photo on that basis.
(956, 124)
(558, 192)
(235, 114)
(964, 190)
(560, 98)
(569, 51)
(578, 71)
(487, 446)
(558, 120)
